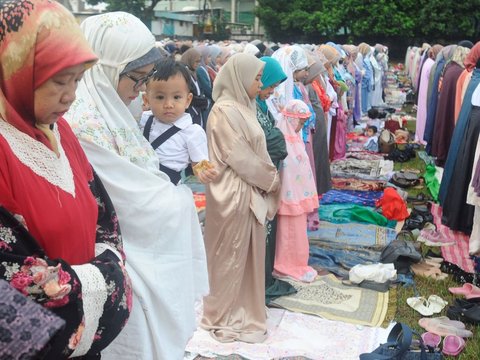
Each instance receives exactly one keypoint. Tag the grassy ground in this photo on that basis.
(428, 286)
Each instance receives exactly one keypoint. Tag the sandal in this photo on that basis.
(423, 209)
(436, 303)
(453, 345)
(468, 290)
(414, 221)
(431, 340)
(420, 199)
(443, 326)
(420, 304)
(428, 270)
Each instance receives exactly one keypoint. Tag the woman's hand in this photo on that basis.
(207, 176)
(205, 171)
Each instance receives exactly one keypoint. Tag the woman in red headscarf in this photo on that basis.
(59, 238)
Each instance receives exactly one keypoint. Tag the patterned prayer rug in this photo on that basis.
(327, 297)
(353, 234)
(358, 184)
(293, 336)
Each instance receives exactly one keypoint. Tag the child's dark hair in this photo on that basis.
(373, 128)
(168, 67)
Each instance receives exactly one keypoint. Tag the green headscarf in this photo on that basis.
(272, 74)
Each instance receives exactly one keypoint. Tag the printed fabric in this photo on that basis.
(25, 326)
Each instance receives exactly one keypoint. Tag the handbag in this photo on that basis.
(399, 347)
(386, 141)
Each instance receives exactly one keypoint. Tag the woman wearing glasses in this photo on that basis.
(160, 229)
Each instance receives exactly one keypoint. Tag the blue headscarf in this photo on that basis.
(272, 74)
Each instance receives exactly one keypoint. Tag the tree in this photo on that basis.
(308, 20)
(449, 19)
(142, 9)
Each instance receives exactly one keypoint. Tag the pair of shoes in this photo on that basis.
(470, 291)
(427, 307)
(419, 220)
(453, 345)
(420, 199)
(463, 310)
(444, 326)
(428, 269)
(459, 275)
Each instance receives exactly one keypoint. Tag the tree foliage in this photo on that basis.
(140, 8)
(306, 20)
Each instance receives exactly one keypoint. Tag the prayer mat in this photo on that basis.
(328, 298)
(293, 336)
(358, 197)
(357, 184)
(457, 253)
(353, 234)
(362, 169)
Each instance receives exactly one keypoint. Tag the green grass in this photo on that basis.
(428, 286)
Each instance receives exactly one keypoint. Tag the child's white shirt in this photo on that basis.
(186, 146)
(372, 143)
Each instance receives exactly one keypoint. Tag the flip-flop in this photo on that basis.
(428, 270)
(420, 304)
(436, 303)
(430, 339)
(441, 320)
(470, 291)
(443, 326)
(453, 345)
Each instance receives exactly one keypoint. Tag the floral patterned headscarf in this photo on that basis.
(38, 38)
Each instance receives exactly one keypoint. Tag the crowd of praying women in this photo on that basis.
(447, 79)
(93, 231)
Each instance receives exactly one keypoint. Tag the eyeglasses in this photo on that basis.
(140, 81)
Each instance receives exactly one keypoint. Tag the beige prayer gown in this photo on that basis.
(238, 203)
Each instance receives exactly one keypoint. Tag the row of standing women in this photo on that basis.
(447, 80)
(241, 201)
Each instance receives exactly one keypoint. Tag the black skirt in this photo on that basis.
(457, 214)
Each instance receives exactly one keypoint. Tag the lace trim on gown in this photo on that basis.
(39, 158)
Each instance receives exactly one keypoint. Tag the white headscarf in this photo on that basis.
(291, 58)
(251, 49)
(107, 34)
